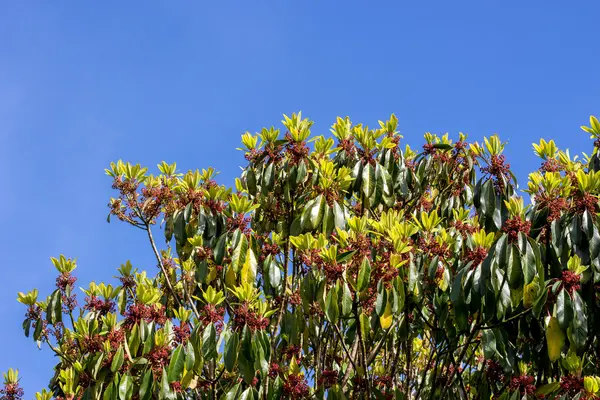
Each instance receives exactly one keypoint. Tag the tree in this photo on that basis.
(348, 269)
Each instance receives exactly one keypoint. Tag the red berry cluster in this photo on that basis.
(464, 228)
(153, 198)
(550, 165)
(347, 145)
(525, 384)
(65, 282)
(245, 316)
(11, 391)
(181, 333)
(102, 307)
(176, 386)
(149, 313)
(570, 281)
(297, 151)
(513, 226)
(499, 169)
(585, 202)
(571, 384)
(158, 358)
(296, 387)
(428, 148)
(239, 222)
(274, 370)
(494, 371)
(383, 381)
(211, 314)
(115, 337)
(476, 256)
(91, 344)
(328, 378)
(291, 351)
(430, 246)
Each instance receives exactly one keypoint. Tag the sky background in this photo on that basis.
(82, 85)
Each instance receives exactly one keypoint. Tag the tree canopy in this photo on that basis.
(346, 266)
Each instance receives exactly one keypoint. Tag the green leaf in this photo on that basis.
(54, 310)
(251, 181)
(368, 180)
(247, 394)
(238, 258)
(316, 212)
(268, 179)
(233, 393)
(176, 364)
(564, 310)
(529, 264)
(489, 343)
(515, 271)
(117, 360)
(231, 351)
(339, 218)
(345, 256)
(260, 362)
(111, 392)
(276, 387)
(587, 224)
(579, 330)
(331, 305)
(301, 172)
(125, 387)
(547, 389)
(539, 303)
(555, 339)
(190, 356)
(165, 388)
(346, 300)
(209, 342)
(219, 251)
(364, 275)
(179, 228)
(168, 229)
(273, 273)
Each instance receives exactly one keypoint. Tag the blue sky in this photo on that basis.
(82, 85)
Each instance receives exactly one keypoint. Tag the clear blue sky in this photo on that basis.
(81, 86)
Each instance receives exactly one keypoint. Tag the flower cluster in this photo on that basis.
(245, 316)
(524, 384)
(138, 312)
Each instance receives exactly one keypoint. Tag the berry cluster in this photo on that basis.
(245, 316)
(499, 170)
(296, 387)
(11, 391)
(513, 226)
(210, 314)
(328, 378)
(570, 281)
(571, 384)
(149, 313)
(524, 384)
(102, 307)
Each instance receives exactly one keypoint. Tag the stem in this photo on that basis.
(284, 299)
(377, 347)
(361, 344)
(164, 271)
(408, 366)
(341, 338)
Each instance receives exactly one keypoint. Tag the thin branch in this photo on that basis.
(341, 338)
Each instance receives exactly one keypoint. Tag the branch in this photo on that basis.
(337, 330)
(380, 343)
(164, 271)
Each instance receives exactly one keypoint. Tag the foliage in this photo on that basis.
(342, 267)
